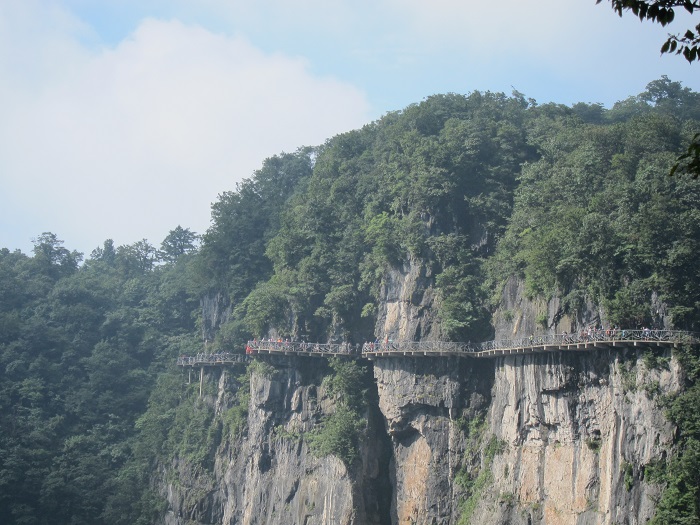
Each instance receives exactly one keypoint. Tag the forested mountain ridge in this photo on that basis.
(438, 181)
(473, 189)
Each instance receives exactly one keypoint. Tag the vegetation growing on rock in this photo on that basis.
(475, 189)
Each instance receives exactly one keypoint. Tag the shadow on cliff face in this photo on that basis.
(379, 493)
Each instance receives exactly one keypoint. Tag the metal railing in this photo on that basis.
(255, 347)
(532, 343)
(211, 359)
(430, 347)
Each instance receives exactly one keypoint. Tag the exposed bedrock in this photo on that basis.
(268, 475)
(565, 440)
(424, 402)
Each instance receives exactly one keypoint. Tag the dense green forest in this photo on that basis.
(574, 200)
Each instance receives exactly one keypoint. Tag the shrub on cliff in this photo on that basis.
(680, 502)
(338, 435)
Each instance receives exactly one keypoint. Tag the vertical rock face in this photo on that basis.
(519, 317)
(552, 438)
(565, 439)
(216, 310)
(577, 430)
(424, 401)
(555, 438)
(268, 475)
(406, 304)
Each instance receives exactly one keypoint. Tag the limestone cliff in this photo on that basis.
(267, 473)
(562, 437)
(425, 402)
(553, 438)
(216, 310)
(550, 438)
(518, 317)
(406, 304)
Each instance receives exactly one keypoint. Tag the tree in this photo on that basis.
(178, 242)
(662, 11)
(106, 254)
(136, 258)
(689, 162)
(52, 258)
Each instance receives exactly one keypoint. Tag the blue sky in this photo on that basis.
(123, 119)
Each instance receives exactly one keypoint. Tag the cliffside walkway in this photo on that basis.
(226, 358)
(585, 340)
(534, 344)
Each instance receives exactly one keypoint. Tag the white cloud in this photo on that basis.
(131, 141)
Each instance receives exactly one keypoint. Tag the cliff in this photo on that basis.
(266, 473)
(549, 438)
(406, 304)
(562, 437)
(555, 438)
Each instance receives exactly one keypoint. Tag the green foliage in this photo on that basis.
(337, 435)
(476, 474)
(477, 426)
(569, 198)
(385, 192)
(473, 429)
(471, 190)
(594, 217)
(680, 501)
(234, 420)
(507, 498)
(280, 432)
(262, 368)
(493, 447)
(652, 389)
(655, 472)
(662, 11)
(193, 436)
(52, 259)
(80, 347)
(475, 486)
(382, 233)
(628, 375)
(689, 162)
(594, 443)
(461, 310)
(264, 307)
(475, 489)
(179, 242)
(348, 382)
(243, 221)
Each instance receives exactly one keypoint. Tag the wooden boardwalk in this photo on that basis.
(583, 341)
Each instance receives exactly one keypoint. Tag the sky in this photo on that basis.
(123, 119)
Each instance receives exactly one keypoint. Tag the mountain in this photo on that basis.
(460, 218)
